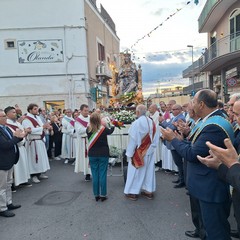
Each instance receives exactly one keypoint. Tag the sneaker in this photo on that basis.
(57, 158)
(27, 184)
(43, 176)
(35, 179)
(66, 161)
(157, 169)
(87, 178)
(13, 188)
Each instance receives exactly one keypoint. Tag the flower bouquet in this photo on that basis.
(118, 124)
(124, 116)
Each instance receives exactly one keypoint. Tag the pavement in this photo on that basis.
(63, 207)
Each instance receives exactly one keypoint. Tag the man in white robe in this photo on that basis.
(21, 169)
(154, 114)
(66, 137)
(141, 180)
(35, 145)
(82, 161)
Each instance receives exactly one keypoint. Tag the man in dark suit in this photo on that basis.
(9, 155)
(202, 182)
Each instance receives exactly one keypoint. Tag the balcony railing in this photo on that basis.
(226, 45)
(206, 10)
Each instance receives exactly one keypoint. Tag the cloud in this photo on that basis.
(159, 12)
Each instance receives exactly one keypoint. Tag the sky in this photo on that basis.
(160, 49)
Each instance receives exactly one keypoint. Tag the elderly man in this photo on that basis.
(177, 158)
(202, 182)
(143, 140)
(9, 154)
(82, 161)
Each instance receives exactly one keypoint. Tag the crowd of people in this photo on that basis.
(199, 140)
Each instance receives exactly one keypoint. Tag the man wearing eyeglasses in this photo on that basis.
(9, 154)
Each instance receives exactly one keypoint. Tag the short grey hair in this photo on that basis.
(235, 95)
(142, 109)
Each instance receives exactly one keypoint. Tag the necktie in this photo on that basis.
(7, 132)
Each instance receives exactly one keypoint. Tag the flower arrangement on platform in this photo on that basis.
(124, 116)
(127, 97)
(118, 124)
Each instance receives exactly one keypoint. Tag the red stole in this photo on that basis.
(82, 122)
(138, 156)
(35, 124)
(14, 127)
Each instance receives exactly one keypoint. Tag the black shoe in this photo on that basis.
(103, 198)
(7, 214)
(234, 233)
(12, 207)
(87, 178)
(176, 181)
(192, 234)
(180, 185)
(97, 198)
(13, 188)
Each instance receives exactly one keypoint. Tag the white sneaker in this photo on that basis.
(57, 158)
(66, 161)
(43, 176)
(157, 169)
(35, 179)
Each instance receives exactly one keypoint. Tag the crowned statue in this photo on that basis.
(127, 84)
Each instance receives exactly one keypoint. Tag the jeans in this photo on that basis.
(99, 167)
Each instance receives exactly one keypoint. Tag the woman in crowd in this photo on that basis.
(98, 152)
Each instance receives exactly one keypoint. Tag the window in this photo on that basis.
(10, 43)
(101, 52)
(234, 22)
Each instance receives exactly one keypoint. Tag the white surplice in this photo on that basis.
(142, 178)
(21, 169)
(36, 149)
(73, 139)
(82, 162)
(66, 137)
(155, 117)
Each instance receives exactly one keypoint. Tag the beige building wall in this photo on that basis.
(99, 31)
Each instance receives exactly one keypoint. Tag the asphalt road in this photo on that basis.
(63, 207)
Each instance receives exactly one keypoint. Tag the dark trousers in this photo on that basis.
(236, 207)
(179, 162)
(196, 216)
(99, 167)
(214, 216)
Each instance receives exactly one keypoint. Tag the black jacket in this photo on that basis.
(9, 152)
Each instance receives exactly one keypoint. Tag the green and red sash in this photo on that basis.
(138, 156)
(94, 137)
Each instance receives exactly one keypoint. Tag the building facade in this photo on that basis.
(50, 53)
(220, 61)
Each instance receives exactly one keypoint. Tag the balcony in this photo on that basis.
(224, 53)
(212, 13)
(103, 71)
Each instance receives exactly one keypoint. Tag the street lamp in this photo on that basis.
(191, 46)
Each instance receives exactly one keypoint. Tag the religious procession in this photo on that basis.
(171, 138)
(146, 139)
